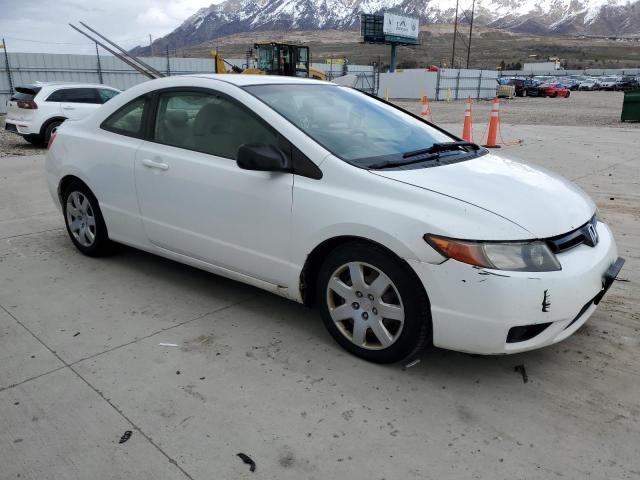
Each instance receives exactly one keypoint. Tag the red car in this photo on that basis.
(554, 90)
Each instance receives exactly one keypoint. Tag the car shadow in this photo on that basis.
(301, 321)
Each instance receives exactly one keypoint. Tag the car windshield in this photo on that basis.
(348, 123)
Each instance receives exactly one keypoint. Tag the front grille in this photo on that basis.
(10, 127)
(586, 234)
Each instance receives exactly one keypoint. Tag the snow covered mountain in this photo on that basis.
(592, 17)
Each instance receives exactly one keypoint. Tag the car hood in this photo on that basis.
(536, 199)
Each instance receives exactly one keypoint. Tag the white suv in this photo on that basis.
(34, 111)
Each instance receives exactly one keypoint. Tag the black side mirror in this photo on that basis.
(264, 158)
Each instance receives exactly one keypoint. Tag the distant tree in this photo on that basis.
(502, 65)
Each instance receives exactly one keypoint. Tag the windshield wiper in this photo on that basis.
(441, 147)
(392, 163)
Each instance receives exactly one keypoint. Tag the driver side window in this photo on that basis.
(208, 123)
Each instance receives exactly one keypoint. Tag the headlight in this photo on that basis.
(533, 256)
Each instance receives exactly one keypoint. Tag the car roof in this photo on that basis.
(242, 80)
(69, 84)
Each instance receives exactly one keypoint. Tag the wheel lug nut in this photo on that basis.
(365, 315)
(370, 297)
(375, 311)
(358, 294)
(355, 305)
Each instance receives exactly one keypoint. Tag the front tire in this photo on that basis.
(373, 303)
(84, 221)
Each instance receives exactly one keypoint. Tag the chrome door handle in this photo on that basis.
(153, 164)
(68, 108)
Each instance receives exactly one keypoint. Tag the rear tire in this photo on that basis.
(84, 221)
(382, 316)
(49, 130)
(36, 140)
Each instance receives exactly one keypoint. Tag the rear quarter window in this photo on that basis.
(128, 120)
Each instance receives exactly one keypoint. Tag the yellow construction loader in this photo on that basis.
(274, 58)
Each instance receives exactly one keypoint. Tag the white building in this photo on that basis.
(541, 66)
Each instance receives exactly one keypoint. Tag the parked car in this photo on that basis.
(524, 86)
(398, 232)
(34, 111)
(627, 83)
(589, 84)
(553, 90)
(608, 83)
(570, 83)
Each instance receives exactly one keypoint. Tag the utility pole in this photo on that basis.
(150, 46)
(455, 34)
(99, 66)
(473, 9)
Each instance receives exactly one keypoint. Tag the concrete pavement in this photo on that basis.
(81, 363)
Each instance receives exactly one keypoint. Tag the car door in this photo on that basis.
(78, 103)
(196, 201)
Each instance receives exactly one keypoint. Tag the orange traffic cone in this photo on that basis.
(467, 134)
(494, 121)
(426, 109)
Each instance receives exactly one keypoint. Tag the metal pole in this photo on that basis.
(473, 9)
(100, 80)
(455, 34)
(392, 64)
(6, 62)
(457, 84)
(479, 84)
(168, 63)
(438, 85)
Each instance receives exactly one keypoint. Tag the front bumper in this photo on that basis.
(474, 309)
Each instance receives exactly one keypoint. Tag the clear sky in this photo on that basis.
(42, 25)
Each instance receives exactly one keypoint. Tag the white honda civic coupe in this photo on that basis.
(400, 234)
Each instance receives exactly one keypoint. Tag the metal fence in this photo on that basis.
(455, 84)
(27, 68)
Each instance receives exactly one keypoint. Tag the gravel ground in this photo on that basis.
(589, 109)
(12, 144)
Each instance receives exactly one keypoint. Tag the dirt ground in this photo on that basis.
(12, 144)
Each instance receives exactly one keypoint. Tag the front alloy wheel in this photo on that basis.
(373, 303)
(365, 306)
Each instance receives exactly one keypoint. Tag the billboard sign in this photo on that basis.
(400, 26)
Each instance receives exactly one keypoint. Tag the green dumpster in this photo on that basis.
(631, 106)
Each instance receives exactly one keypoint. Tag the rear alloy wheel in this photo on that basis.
(373, 304)
(84, 221)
